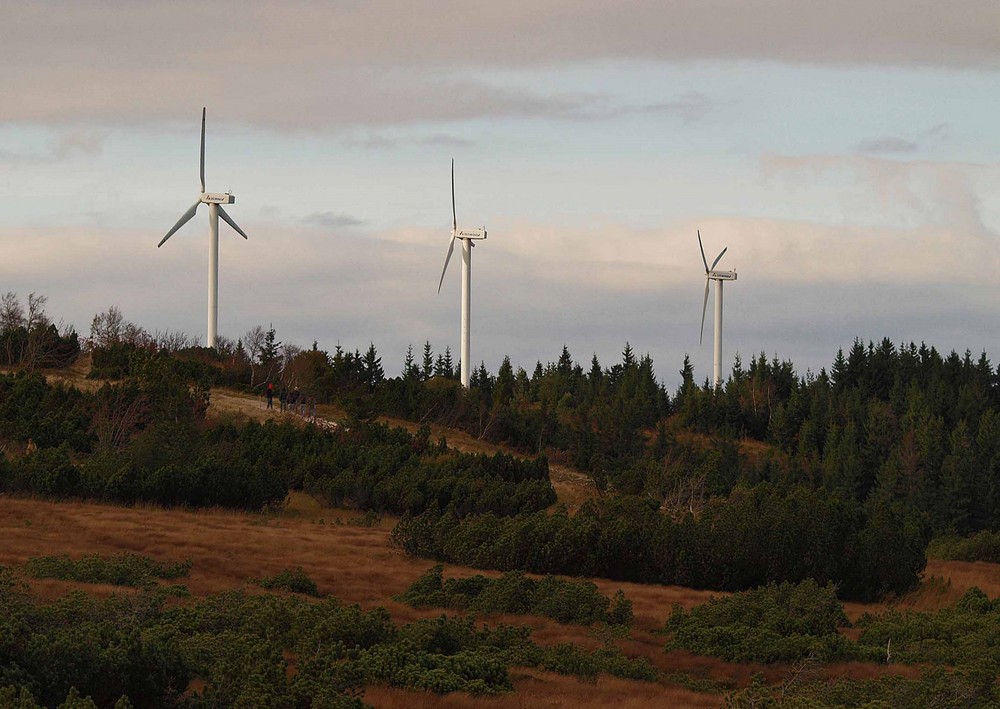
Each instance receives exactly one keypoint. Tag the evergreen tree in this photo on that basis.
(628, 358)
(448, 365)
(410, 370)
(428, 362)
(565, 364)
(503, 392)
(957, 484)
(270, 349)
(372, 366)
(596, 376)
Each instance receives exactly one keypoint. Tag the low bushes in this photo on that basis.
(982, 546)
(565, 601)
(121, 570)
(776, 623)
(255, 650)
(295, 580)
(759, 535)
(964, 634)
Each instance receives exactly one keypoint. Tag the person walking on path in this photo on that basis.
(270, 395)
(283, 399)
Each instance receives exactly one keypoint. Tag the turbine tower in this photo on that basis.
(467, 236)
(718, 276)
(214, 200)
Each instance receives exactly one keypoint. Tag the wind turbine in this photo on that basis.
(718, 276)
(214, 200)
(467, 236)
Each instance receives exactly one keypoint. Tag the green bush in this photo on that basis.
(565, 601)
(981, 546)
(776, 623)
(961, 635)
(122, 570)
(295, 580)
(253, 650)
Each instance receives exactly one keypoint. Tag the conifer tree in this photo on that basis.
(428, 362)
(372, 366)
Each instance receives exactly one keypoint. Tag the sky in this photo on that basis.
(847, 154)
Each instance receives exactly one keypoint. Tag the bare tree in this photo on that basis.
(225, 346)
(30, 339)
(117, 412)
(253, 341)
(11, 321)
(111, 328)
(106, 328)
(172, 340)
(11, 312)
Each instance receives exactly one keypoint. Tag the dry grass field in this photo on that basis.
(357, 565)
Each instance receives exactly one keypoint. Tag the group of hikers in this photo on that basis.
(294, 401)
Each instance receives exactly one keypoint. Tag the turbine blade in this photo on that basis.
(203, 149)
(180, 222)
(704, 308)
(703, 259)
(230, 222)
(451, 248)
(719, 257)
(454, 215)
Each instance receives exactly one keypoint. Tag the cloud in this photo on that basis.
(380, 141)
(691, 107)
(886, 145)
(305, 64)
(915, 192)
(66, 145)
(332, 220)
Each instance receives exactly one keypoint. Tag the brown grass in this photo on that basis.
(357, 565)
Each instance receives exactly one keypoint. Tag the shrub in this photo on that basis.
(565, 601)
(981, 546)
(779, 622)
(295, 580)
(122, 570)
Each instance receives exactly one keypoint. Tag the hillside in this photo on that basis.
(350, 555)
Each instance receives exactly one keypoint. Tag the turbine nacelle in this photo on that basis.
(721, 275)
(217, 198)
(469, 234)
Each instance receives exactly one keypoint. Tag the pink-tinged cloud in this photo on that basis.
(318, 64)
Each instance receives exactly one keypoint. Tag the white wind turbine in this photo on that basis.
(214, 200)
(467, 236)
(718, 276)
